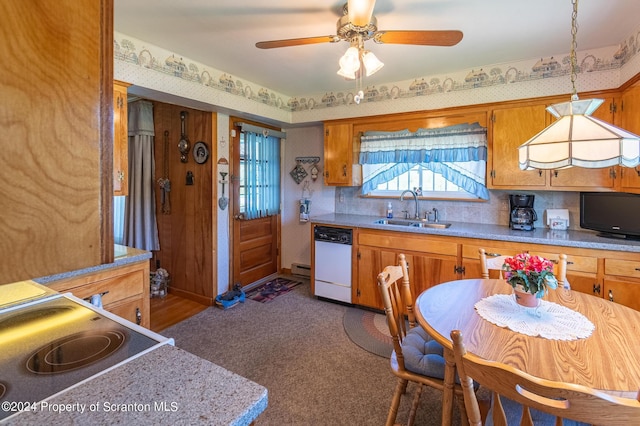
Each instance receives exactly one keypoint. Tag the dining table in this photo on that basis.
(608, 359)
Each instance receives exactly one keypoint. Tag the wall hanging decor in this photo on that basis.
(298, 173)
(164, 182)
(223, 202)
(200, 152)
(183, 145)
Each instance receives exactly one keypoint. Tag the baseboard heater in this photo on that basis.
(302, 270)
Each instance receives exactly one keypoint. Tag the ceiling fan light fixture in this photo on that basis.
(371, 62)
(576, 138)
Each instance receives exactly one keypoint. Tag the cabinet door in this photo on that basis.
(624, 292)
(511, 128)
(426, 271)
(120, 140)
(338, 154)
(371, 262)
(630, 120)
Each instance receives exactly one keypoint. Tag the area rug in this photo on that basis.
(270, 290)
(368, 330)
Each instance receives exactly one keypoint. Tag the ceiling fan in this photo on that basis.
(358, 25)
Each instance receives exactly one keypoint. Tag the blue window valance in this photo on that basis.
(458, 153)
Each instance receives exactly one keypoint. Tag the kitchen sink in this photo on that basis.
(438, 225)
(415, 223)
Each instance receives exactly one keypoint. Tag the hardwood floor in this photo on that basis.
(172, 309)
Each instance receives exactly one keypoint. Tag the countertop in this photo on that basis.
(165, 386)
(123, 255)
(569, 238)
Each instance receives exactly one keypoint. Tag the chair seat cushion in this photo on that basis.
(422, 354)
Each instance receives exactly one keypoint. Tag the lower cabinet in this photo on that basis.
(436, 259)
(431, 261)
(124, 290)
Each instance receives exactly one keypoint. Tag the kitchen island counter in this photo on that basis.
(165, 386)
(568, 238)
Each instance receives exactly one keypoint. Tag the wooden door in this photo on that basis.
(511, 128)
(256, 242)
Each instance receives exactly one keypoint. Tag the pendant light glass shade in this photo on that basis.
(371, 63)
(350, 63)
(577, 139)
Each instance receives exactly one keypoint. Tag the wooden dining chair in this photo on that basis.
(490, 262)
(563, 400)
(416, 357)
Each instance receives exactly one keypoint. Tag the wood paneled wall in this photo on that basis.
(187, 234)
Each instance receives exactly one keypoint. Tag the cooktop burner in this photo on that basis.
(50, 345)
(75, 351)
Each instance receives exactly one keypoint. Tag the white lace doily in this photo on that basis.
(548, 320)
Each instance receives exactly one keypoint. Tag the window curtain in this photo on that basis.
(141, 228)
(260, 172)
(459, 153)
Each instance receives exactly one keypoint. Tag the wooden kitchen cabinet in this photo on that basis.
(340, 163)
(125, 290)
(432, 260)
(630, 120)
(120, 139)
(621, 283)
(511, 127)
(514, 126)
(56, 128)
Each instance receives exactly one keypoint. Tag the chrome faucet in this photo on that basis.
(435, 215)
(415, 199)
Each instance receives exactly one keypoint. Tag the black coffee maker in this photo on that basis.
(522, 213)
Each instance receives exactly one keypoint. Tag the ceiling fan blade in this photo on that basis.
(360, 11)
(296, 42)
(423, 38)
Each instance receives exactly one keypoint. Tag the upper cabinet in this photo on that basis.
(120, 139)
(340, 168)
(57, 131)
(630, 120)
(511, 127)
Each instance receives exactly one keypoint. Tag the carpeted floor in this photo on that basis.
(296, 346)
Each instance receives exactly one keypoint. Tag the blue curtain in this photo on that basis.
(458, 153)
(260, 175)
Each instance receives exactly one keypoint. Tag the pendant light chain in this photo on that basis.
(574, 47)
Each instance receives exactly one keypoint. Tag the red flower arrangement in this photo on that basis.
(534, 274)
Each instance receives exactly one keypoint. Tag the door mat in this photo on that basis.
(271, 289)
(368, 330)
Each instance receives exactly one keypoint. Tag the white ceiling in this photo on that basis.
(222, 34)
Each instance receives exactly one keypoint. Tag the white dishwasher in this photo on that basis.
(332, 263)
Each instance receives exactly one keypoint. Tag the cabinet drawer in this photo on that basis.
(625, 268)
(471, 251)
(412, 243)
(118, 287)
(574, 263)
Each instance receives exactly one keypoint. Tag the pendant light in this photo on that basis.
(576, 138)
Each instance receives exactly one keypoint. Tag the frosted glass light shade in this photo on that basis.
(371, 63)
(349, 63)
(577, 139)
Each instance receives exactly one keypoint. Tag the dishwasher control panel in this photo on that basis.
(333, 235)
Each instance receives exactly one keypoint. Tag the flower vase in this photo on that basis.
(524, 298)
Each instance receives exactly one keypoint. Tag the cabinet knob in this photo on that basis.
(120, 175)
(611, 295)
(596, 289)
(138, 316)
